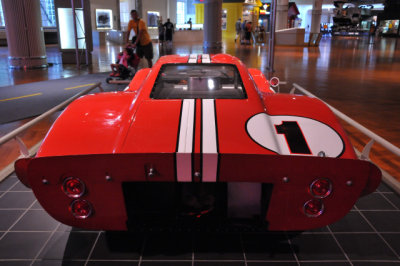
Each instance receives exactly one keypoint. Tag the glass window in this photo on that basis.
(185, 10)
(180, 12)
(190, 10)
(48, 13)
(66, 20)
(125, 15)
(204, 81)
(46, 9)
(2, 23)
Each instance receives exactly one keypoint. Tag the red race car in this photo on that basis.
(197, 140)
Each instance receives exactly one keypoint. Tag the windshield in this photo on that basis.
(204, 81)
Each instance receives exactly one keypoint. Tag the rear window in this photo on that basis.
(204, 81)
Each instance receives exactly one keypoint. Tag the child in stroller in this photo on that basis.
(126, 65)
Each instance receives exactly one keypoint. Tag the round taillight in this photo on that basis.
(313, 208)
(274, 82)
(81, 209)
(321, 188)
(73, 187)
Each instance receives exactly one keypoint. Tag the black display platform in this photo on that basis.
(368, 235)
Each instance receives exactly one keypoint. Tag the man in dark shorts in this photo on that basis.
(142, 41)
(169, 30)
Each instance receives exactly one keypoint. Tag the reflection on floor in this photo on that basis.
(358, 77)
(368, 235)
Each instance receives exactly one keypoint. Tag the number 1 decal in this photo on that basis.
(294, 137)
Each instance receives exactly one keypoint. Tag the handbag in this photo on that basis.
(135, 37)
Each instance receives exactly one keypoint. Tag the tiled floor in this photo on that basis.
(368, 235)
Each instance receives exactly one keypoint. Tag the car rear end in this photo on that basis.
(198, 145)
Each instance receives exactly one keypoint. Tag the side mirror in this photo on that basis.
(274, 82)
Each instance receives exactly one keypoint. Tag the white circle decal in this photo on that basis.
(294, 135)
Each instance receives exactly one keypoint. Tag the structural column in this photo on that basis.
(25, 36)
(271, 46)
(138, 4)
(282, 14)
(212, 25)
(118, 15)
(316, 16)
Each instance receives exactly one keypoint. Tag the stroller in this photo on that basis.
(122, 74)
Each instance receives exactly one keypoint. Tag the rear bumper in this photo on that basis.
(290, 176)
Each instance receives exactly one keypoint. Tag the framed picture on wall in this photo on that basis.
(152, 18)
(104, 19)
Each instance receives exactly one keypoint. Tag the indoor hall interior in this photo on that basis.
(349, 68)
(353, 75)
(357, 75)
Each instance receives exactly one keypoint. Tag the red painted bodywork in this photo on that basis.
(121, 134)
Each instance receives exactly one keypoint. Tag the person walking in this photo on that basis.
(169, 30)
(248, 32)
(190, 23)
(141, 41)
(243, 32)
(161, 32)
(261, 36)
(238, 27)
(371, 35)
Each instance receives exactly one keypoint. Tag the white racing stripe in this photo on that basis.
(192, 59)
(209, 140)
(205, 58)
(185, 142)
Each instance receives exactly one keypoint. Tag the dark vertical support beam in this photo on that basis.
(84, 24)
(212, 42)
(75, 35)
(271, 47)
(118, 15)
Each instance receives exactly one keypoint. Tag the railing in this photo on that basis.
(364, 154)
(14, 134)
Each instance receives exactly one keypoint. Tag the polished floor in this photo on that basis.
(358, 76)
(368, 235)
